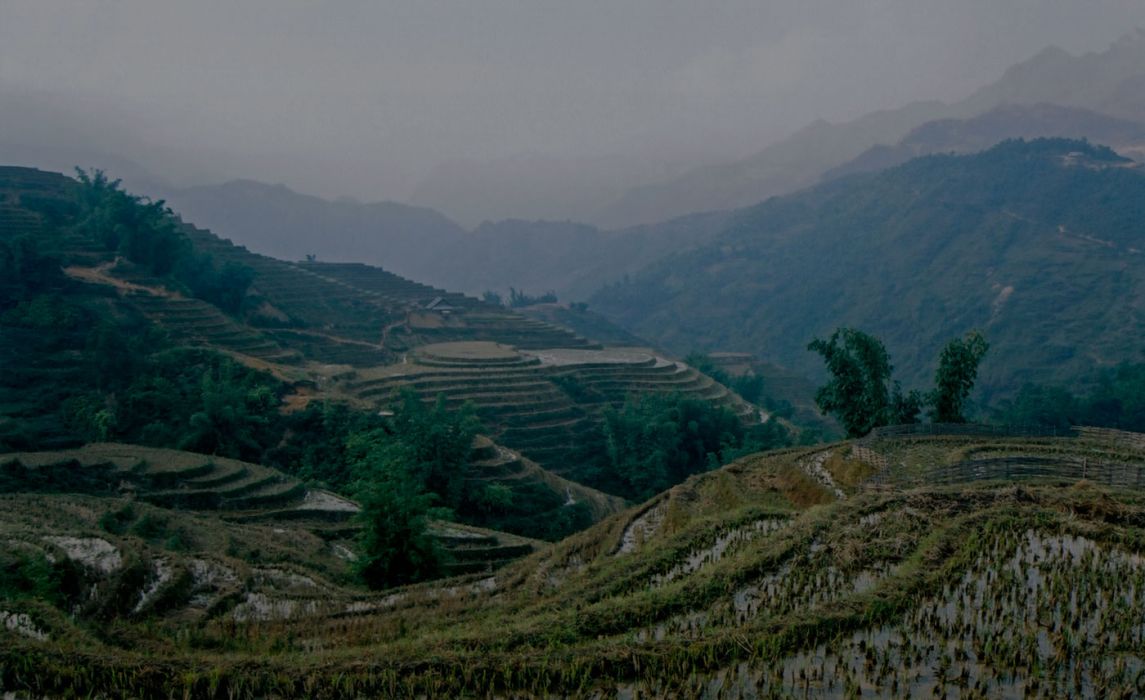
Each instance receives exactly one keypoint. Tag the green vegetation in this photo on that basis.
(954, 378)
(147, 234)
(860, 392)
(25, 271)
(752, 573)
(860, 372)
(395, 547)
(407, 472)
(750, 385)
(655, 441)
(518, 298)
(1026, 241)
(1115, 398)
(173, 397)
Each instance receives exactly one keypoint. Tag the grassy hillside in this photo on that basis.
(819, 571)
(1036, 243)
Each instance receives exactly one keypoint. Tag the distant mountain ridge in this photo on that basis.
(277, 221)
(570, 258)
(1005, 122)
(1111, 82)
(1037, 243)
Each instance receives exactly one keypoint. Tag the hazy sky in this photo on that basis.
(385, 89)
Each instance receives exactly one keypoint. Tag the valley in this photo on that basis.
(495, 350)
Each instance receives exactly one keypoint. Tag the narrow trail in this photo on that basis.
(99, 275)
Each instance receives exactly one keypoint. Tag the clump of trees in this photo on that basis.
(655, 441)
(862, 394)
(147, 233)
(406, 474)
(519, 299)
(26, 271)
(1114, 397)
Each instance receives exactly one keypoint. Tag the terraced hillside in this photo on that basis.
(538, 402)
(368, 304)
(759, 579)
(197, 322)
(236, 492)
(333, 332)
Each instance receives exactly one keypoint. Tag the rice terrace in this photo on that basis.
(751, 580)
(559, 350)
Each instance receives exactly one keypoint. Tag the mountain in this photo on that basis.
(1036, 243)
(533, 186)
(1101, 81)
(277, 221)
(113, 325)
(1109, 82)
(1005, 122)
(784, 167)
(571, 259)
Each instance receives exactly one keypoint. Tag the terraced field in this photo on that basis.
(239, 492)
(197, 322)
(755, 580)
(537, 402)
(170, 479)
(494, 464)
(354, 332)
(368, 304)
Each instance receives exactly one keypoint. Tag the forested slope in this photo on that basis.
(1036, 243)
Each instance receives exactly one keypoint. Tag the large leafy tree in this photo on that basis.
(858, 393)
(407, 474)
(147, 233)
(395, 546)
(954, 378)
(435, 443)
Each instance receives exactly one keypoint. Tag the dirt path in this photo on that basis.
(99, 275)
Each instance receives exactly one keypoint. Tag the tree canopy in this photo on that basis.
(407, 473)
(954, 378)
(862, 394)
(858, 392)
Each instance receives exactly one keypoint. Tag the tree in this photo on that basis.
(141, 230)
(904, 407)
(395, 546)
(860, 369)
(404, 473)
(954, 378)
(434, 444)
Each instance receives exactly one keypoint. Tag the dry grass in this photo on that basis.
(848, 473)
